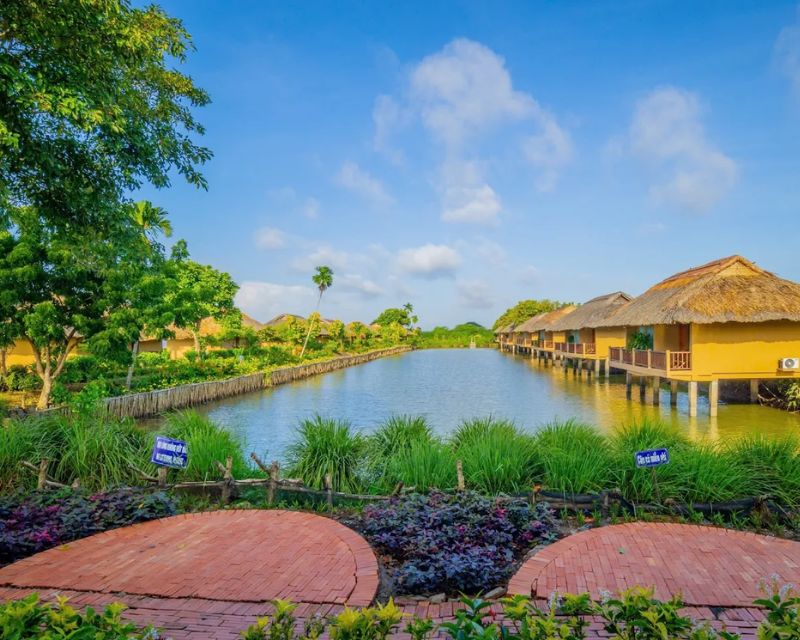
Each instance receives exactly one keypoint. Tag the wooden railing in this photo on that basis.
(578, 348)
(648, 359)
(680, 360)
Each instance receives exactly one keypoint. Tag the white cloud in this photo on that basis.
(323, 255)
(475, 294)
(429, 261)
(270, 238)
(310, 208)
(667, 132)
(387, 115)
(358, 284)
(530, 275)
(355, 179)
(787, 52)
(265, 300)
(459, 93)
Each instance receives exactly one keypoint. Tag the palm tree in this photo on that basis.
(323, 278)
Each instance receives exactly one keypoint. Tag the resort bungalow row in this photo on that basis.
(728, 320)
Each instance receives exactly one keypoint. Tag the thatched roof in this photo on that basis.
(732, 289)
(590, 313)
(282, 319)
(211, 327)
(544, 321)
(507, 329)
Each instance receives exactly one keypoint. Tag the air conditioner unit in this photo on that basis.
(789, 364)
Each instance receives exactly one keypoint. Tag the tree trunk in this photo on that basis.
(3, 365)
(196, 338)
(129, 377)
(310, 326)
(44, 396)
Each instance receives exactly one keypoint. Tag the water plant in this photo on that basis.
(423, 466)
(328, 447)
(392, 438)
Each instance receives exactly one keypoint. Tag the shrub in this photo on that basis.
(496, 456)
(208, 444)
(28, 618)
(324, 446)
(574, 458)
(772, 466)
(454, 543)
(40, 520)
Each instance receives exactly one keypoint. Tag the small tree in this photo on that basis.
(323, 278)
(199, 291)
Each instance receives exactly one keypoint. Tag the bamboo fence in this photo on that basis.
(152, 403)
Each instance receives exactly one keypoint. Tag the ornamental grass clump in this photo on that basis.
(574, 458)
(454, 543)
(392, 438)
(328, 447)
(37, 521)
(496, 456)
(208, 444)
(772, 466)
(423, 466)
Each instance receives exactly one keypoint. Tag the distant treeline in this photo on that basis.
(459, 336)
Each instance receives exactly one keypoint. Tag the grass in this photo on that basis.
(325, 446)
(389, 440)
(772, 466)
(424, 465)
(496, 456)
(207, 443)
(574, 458)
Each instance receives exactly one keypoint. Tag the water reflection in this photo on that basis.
(449, 385)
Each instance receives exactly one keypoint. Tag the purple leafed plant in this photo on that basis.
(37, 521)
(456, 543)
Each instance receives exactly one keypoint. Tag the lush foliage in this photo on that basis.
(28, 618)
(327, 448)
(454, 542)
(36, 521)
(524, 310)
(403, 316)
(461, 335)
(640, 340)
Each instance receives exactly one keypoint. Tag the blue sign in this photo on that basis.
(170, 453)
(652, 458)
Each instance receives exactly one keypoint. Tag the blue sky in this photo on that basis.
(465, 155)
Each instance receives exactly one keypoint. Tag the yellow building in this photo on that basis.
(585, 341)
(21, 352)
(183, 339)
(545, 335)
(504, 338)
(726, 320)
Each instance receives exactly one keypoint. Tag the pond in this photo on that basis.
(449, 385)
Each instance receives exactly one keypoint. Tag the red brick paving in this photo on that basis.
(216, 570)
(231, 556)
(710, 567)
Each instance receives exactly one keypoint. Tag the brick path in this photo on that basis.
(221, 561)
(710, 567)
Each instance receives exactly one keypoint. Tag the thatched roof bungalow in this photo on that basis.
(544, 329)
(728, 319)
(183, 339)
(583, 337)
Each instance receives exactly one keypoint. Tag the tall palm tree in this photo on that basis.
(323, 278)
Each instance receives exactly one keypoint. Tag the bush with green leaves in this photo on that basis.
(29, 618)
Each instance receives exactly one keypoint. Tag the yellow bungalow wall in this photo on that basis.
(744, 350)
(22, 353)
(607, 337)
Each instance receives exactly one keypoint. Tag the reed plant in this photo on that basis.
(497, 457)
(323, 447)
(573, 458)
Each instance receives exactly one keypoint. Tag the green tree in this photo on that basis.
(198, 291)
(92, 106)
(393, 315)
(65, 286)
(337, 333)
(323, 278)
(524, 310)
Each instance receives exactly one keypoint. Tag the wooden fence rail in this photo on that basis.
(152, 403)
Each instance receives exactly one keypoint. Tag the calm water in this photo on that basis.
(451, 384)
